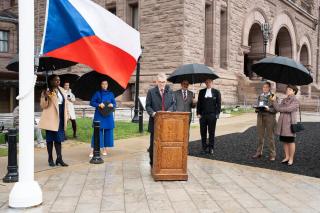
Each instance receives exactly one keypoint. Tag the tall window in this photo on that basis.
(223, 38)
(134, 15)
(4, 41)
(208, 39)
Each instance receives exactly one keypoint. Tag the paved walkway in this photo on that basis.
(124, 184)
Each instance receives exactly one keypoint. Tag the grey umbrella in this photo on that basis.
(194, 73)
(283, 70)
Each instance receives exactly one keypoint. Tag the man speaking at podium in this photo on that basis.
(159, 98)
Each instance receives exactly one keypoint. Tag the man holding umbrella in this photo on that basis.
(208, 111)
(159, 98)
(185, 100)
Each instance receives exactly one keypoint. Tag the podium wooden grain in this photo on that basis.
(170, 146)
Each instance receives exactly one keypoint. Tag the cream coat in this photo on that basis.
(49, 119)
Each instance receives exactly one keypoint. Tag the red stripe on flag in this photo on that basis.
(100, 56)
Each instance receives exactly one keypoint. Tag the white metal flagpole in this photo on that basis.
(27, 192)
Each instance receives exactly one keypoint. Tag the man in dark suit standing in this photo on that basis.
(185, 100)
(159, 98)
(208, 111)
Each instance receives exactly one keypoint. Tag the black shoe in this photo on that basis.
(205, 149)
(285, 162)
(51, 163)
(211, 151)
(60, 161)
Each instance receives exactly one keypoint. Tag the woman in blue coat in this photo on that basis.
(106, 122)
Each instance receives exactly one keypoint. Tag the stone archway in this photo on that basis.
(255, 16)
(252, 39)
(255, 42)
(283, 44)
(284, 27)
(304, 56)
(283, 47)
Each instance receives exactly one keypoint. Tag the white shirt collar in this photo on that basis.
(263, 94)
(208, 93)
(60, 98)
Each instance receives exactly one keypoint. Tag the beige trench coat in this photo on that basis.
(49, 119)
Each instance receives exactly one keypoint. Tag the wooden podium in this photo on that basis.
(170, 150)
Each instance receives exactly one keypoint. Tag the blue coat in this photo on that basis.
(108, 121)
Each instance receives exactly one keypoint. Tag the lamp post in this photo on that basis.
(135, 118)
(266, 31)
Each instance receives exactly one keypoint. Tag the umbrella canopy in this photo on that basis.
(71, 78)
(283, 70)
(194, 73)
(45, 64)
(89, 83)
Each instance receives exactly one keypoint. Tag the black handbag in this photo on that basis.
(298, 127)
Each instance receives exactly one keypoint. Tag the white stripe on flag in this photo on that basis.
(109, 27)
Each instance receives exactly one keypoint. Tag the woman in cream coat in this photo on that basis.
(54, 118)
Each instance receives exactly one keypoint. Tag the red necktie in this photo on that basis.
(162, 102)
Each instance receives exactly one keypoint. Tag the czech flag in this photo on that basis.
(84, 32)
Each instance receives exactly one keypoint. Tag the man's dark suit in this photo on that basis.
(154, 104)
(209, 110)
(184, 105)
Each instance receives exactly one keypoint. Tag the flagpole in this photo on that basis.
(27, 192)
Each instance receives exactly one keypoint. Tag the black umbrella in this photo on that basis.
(89, 83)
(45, 64)
(194, 73)
(71, 78)
(283, 70)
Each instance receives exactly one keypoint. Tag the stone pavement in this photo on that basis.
(123, 183)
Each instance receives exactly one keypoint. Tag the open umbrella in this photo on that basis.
(89, 83)
(45, 64)
(282, 70)
(71, 78)
(194, 73)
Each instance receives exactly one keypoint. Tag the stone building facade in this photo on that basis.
(223, 34)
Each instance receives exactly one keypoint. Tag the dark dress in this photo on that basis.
(59, 136)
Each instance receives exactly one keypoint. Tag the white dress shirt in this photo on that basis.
(208, 93)
(60, 98)
(184, 92)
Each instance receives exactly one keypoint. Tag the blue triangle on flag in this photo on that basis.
(65, 25)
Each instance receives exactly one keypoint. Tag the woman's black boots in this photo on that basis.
(59, 156)
(49, 149)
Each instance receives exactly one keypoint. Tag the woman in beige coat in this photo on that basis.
(288, 115)
(54, 118)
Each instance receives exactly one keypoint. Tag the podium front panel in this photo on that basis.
(171, 146)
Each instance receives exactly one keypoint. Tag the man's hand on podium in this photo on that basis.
(153, 114)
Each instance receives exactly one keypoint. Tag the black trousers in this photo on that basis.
(151, 148)
(208, 124)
